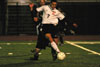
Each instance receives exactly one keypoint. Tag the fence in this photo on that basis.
(18, 19)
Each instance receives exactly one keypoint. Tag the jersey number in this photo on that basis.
(48, 15)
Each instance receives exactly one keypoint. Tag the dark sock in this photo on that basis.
(54, 55)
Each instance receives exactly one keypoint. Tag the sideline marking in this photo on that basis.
(85, 42)
(0, 47)
(94, 52)
(16, 43)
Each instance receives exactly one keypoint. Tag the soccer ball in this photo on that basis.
(61, 56)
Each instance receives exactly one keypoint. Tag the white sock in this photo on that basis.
(55, 47)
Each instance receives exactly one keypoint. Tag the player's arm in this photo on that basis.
(39, 9)
(60, 16)
(35, 14)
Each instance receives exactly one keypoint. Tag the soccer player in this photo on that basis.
(49, 22)
(41, 41)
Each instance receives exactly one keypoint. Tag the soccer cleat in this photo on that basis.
(32, 51)
(54, 54)
(32, 58)
(54, 57)
(36, 56)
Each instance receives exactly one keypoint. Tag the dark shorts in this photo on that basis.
(42, 41)
(50, 28)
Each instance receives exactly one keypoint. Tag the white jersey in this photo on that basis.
(50, 16)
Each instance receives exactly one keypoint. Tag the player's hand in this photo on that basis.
(35, 19)
(75, 25)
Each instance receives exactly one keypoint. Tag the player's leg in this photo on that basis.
(36, 54)
(38, 42)
(37, 49)
(53, 52)
(61, 40)
(50, 33)
(53, 44)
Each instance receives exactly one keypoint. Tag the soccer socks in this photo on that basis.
(54, 55)
(55, 47)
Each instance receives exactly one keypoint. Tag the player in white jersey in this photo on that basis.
(50, 15)
(49, 21)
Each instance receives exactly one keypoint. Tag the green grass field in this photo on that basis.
(84, 54)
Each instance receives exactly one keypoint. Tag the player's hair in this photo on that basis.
(53, 1)
(40, 0)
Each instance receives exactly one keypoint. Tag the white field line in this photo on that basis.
(16, 43)
(86, 42)
(94, 52)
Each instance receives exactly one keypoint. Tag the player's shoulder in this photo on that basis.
(56, 10)
(45, 6)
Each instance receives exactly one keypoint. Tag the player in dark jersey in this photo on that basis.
(42, 41)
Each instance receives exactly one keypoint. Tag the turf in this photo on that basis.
(21, 54)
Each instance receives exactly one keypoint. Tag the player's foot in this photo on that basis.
(36, 56)
(32, 58)
(54, 57)
(32, 51)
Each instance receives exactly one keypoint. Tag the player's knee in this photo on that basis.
(49, 37)
(37, 50)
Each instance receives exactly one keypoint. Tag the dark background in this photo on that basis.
(85, 14)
